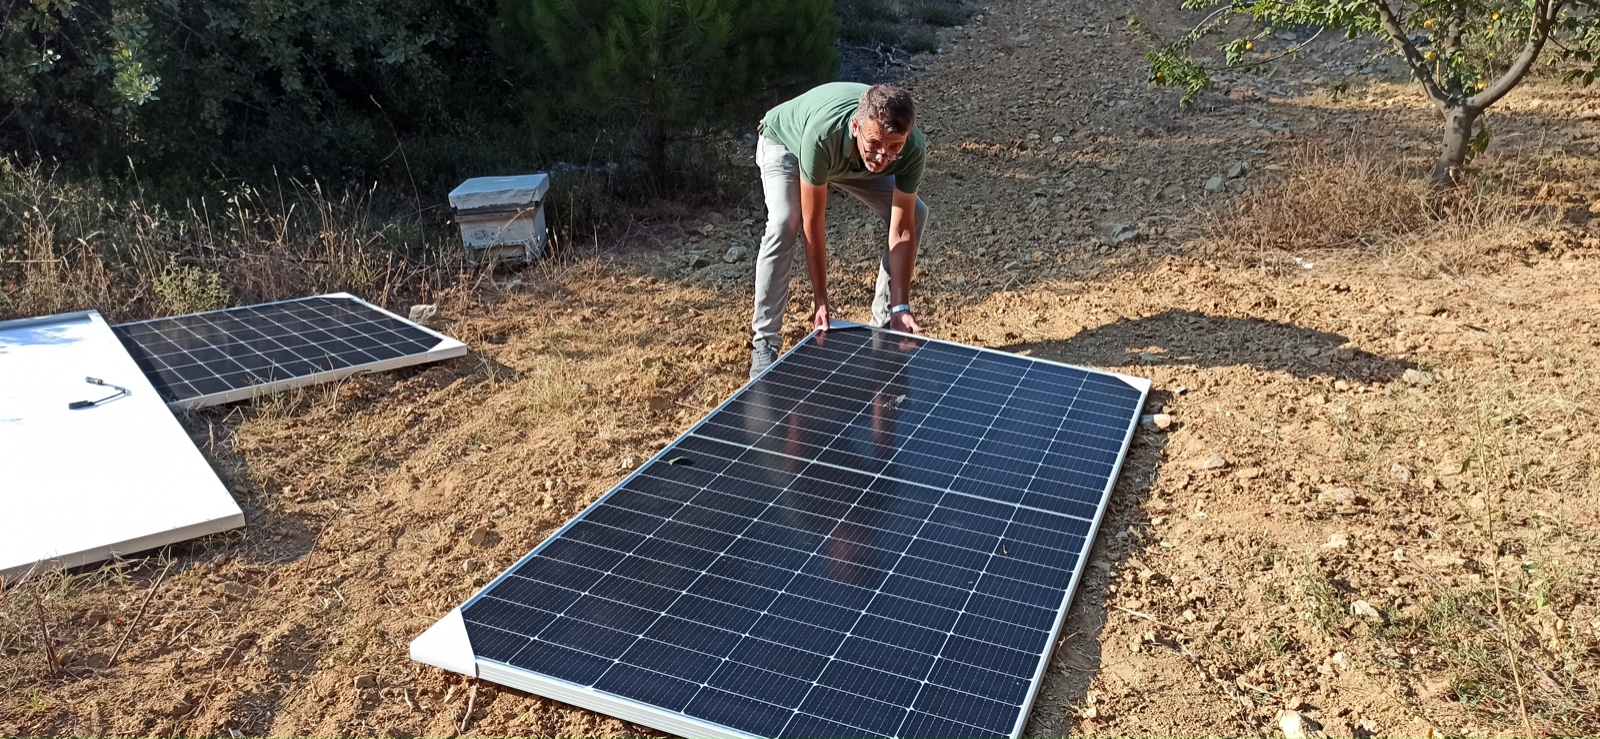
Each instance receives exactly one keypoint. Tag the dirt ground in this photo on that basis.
(1375, 503)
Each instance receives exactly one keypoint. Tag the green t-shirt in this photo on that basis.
(815, 127)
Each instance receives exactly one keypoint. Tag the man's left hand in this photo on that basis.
(904, 323)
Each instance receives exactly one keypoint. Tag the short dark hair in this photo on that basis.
(890, 106)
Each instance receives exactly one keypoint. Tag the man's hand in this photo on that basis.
(904, 323)
(819, 319)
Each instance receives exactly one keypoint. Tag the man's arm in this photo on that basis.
(814, 212)
(902, 258)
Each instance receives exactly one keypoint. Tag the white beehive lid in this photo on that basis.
(500, 192)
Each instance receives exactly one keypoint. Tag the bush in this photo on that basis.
(872, 33)
(920, 42)
(939, 13)
(638, 76)
(230, 85)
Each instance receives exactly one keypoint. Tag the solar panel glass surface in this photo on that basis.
(221, 354)
(877, 537)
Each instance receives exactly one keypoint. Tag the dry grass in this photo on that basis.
(1356, 198)
(65, 245)
(1332, 199)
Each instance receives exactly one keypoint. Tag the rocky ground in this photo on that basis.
(1367, 505)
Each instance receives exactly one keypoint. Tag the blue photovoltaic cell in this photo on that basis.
(875, 538)
(192, 356)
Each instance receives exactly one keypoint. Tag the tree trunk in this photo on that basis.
(1458, 124)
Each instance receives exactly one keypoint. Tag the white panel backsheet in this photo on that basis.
(82, 485)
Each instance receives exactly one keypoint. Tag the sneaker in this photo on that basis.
(762, 354)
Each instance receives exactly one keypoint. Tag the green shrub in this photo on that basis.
(232, 85)
(939, 13)
(635, 77)
(872, 32)
(853, 12)
(920, 42)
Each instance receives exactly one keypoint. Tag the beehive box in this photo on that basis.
(502, 218)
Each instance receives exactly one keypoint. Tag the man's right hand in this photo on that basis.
(819, 319)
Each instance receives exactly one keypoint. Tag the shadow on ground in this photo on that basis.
(1202, 340)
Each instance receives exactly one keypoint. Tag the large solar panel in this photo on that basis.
(879, 536)
(222, 356)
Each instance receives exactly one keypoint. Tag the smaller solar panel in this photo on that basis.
(222, 356)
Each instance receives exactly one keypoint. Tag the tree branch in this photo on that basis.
(1452, 47)
(1544, 19)
(1419, 64)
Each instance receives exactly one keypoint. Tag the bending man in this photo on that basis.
(862, 141)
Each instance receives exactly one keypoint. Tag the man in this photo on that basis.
(860, 140)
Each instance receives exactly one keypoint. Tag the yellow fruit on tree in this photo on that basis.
(1427, 23)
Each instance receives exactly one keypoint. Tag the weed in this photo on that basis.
(856, 12)
(920, 42)
(1322, 606)
(872, 32)
(186, 288)
(939, 13)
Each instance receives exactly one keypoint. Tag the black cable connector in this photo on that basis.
(80, 404)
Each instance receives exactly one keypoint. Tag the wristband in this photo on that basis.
(901, 308)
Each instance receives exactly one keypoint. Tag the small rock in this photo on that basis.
(735, 254)
(1237, 170)
(424, 314)
(1124, 234)
(1057, 139)
(698, 261)
(1214, 462)
(1554, 433)
(180, 707)
(1340, 661)
(1417, 377)
(1216, 184)
(1189, 615)
(1296, 725)
(1248, 473)
(1338, 541)
(1149, 358)
(1428, 309)
(1161, 421)
(1400, 472)
(237, 589)
(479, 536)
(1365, 610)
(366, 681)
(1294, 703)
(1341, 385)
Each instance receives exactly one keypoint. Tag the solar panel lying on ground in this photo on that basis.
(880, 536)
(222, 356)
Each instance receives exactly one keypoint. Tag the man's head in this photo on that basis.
(882, 124)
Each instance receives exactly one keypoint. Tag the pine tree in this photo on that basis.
(640, 74)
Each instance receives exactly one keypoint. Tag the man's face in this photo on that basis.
(878, 147)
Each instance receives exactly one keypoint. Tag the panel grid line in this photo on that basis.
(878, 537)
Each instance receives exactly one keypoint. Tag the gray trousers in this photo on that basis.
(780, 183)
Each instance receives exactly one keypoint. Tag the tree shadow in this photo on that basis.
(1201, 340)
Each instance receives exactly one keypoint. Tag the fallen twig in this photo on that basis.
(49, 645)
(137, 616)
(471, 699)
